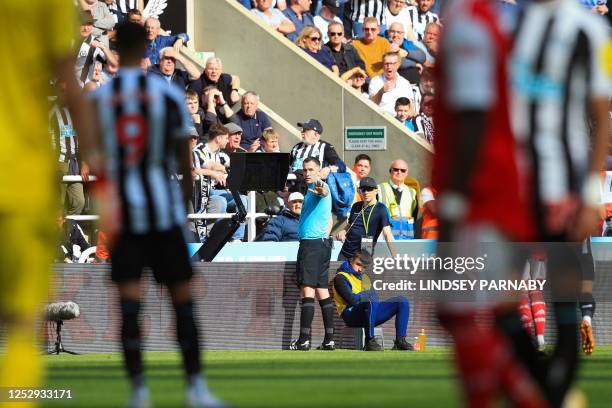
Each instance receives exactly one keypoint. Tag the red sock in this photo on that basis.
(525, 312)
(538, 307)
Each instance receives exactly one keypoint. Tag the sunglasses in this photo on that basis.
(395, 169)
(335, 34)
(366, 189)
(316, 39)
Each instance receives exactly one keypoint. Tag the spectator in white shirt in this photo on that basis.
(397, 12)
(385, 88)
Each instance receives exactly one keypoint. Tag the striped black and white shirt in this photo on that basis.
(423, 126)
(325, 152)
(142, 119)
(63, 136)
(557, 67)
(201, 156)
(419, 20)
(360, 9)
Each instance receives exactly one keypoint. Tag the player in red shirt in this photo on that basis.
(477, 176)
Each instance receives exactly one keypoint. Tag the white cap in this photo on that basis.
(295, 196)
(427, 195)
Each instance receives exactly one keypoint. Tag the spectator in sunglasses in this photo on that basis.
(401, 200)
(345, 55)
(310, 41)
(328, 14)
(372, 48)
(368, 218)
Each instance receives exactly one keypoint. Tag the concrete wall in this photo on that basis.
(295, 86)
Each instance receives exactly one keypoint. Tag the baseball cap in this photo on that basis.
(295, 196)
(233, 128)
(368, 182)
(312, 124)
(332, 4)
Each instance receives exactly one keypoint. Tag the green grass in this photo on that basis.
(341, 378)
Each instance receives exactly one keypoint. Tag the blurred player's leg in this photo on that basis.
(198, 394)
(129, 293)
(24, 277)
(484, 375)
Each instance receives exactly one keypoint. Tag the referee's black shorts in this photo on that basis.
(164, 251)
(312, 267)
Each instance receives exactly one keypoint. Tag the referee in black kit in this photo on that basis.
(313, 257)
(144, 127)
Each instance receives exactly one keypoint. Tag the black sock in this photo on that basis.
(509, 322)
(565, 357)
(187, 336)
(328, 309)
(130, 339)
(587, 305)
(306, 316)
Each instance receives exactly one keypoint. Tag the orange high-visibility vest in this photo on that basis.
(430, 223)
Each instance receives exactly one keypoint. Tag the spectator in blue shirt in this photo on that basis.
(299, 15)
(252, 121)
(310, 41)
(158, 42)
(404, 112)
(167, 69)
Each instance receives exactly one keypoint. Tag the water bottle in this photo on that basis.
(422, 340)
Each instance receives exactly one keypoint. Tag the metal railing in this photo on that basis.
(251, 216)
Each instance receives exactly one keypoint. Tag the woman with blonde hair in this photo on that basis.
(310, 41)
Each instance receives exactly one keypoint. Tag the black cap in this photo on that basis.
(368, 182)
(333, 5)
(312, 124)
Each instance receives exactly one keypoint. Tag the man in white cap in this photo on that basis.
(284, 227)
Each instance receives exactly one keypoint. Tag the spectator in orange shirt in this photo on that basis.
(371, 47)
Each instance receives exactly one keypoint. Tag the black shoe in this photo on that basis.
(297, 345)
(372, 345)
(400, 343)
(330, 345)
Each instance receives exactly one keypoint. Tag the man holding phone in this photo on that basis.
(313, 257)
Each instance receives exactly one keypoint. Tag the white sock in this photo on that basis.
(541, 340)
(196, 380)
(587, 319)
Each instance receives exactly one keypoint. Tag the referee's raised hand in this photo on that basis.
(319, 188)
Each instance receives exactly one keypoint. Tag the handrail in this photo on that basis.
(251, 216)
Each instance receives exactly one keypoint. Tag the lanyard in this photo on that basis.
(366, 224)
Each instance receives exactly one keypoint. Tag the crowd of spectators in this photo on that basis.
(385, 49)
(352, 37)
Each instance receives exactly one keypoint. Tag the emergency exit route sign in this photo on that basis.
(365, 138)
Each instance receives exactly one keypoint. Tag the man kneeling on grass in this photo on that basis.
(359, 306)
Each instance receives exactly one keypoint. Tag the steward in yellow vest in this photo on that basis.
(359, 306)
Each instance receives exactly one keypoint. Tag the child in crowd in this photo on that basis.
(270, 141)
(404, 112)
(197, 114)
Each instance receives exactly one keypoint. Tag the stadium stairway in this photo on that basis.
(295, 87)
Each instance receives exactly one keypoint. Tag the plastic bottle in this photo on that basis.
(422, 340)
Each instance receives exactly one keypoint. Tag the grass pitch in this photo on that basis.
(342, 378)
